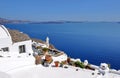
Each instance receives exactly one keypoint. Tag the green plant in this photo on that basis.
(45, 49)
(79, 64)
(39, 47)
(109, 65)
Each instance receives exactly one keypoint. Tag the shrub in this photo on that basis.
(45, 49)
(39, 47)
(79, 64)
(109, 65)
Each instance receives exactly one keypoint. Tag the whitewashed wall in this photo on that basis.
(14, 49)
(5, 42)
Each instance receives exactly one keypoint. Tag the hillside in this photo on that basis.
(18, 36)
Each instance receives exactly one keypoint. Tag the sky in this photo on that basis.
(51, 10)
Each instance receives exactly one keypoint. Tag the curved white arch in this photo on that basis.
(5, 37)
(4, 32)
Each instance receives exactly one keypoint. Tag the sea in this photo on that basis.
(97, 42)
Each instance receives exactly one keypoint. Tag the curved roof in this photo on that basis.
(4, 32)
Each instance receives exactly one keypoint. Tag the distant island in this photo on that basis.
(9, 21)
(55, 22)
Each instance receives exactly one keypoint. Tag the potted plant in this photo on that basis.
(37, 59)
(68, 60)
(56, 63)
(48, 58)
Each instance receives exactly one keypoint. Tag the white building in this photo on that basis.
(11, 48)
(37, 43)
(15, 50)
(104, 69)
(5, 39)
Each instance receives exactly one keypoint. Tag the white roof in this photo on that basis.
(104, 64)
(4, 32)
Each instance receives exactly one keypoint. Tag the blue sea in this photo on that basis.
(95, 41)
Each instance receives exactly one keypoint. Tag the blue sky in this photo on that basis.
(44, 10)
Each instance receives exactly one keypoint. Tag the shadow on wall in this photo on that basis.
(4, 75)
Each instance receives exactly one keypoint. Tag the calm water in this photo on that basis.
(97, 42)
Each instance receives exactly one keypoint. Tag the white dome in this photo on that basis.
(5, 38)
(4, 32)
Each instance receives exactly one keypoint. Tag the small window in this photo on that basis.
(6, 49)
(22, 49)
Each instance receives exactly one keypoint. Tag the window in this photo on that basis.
(22, 49)
(6, 49)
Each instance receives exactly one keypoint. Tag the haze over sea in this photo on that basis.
(95, 41)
